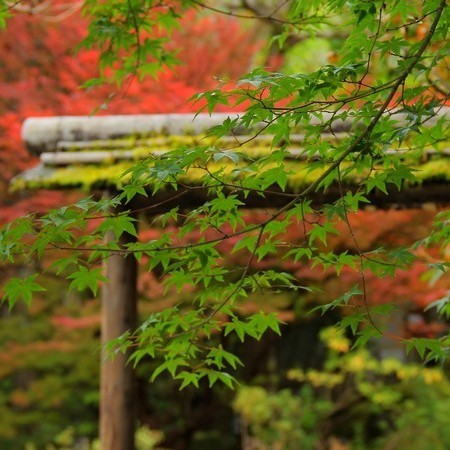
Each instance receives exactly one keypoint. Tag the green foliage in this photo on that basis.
(280, 420)
(86, 278)
(42, 365)
(354, 400)
(389, 126)
(21, 289)
(146, 439)
(120, 30)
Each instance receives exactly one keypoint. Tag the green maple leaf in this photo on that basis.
(86, 278)
(21, 289)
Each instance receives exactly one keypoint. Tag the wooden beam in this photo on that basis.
(42, 134)
(111, 156)
(409, 197)
(92, 157)
(117, 378)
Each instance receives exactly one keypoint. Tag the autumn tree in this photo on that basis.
(393, 120)
(41, 76)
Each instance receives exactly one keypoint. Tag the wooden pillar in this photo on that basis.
(117, 379)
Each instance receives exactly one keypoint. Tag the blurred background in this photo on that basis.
(303, 390)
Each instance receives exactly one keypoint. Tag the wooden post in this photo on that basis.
(117, 379)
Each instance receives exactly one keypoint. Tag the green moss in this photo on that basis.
(85, 177)
(437, 170)
(108, 173)
(147, 144)
(88, 177)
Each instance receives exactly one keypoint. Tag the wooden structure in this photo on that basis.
(91, 153)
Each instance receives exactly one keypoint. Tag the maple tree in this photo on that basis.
(343, 89)
(279, 102)
(41, 76)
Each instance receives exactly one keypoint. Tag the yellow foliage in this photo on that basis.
(432, 376)
(389, 365)
(408, 372)
(325, 379)
(335, 340)
(247, 403)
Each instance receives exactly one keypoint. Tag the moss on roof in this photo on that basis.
(107, 173)
(89, 154)
(95, 176)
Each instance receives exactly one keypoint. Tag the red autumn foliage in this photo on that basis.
(41, 75)
(74, 323)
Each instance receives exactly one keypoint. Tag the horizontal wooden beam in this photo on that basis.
(42, 134)
(105, 156)
(409, 197)
(117, 144)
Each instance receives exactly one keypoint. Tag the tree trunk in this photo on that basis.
(117, 379)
